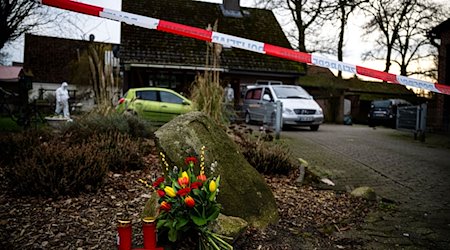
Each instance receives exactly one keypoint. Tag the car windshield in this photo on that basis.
(381, 104)
(291, 92)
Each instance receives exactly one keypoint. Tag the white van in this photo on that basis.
(299, 107)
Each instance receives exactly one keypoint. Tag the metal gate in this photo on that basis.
(414, 119)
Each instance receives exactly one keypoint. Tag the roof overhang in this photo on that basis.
(170, 66)
(202, 68)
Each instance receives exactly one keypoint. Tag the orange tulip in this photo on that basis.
(189, 201)
(201, 177)
(166, 206)
(183, 181)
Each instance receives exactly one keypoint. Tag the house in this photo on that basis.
(55, 60)
(332, 93)
(439, 107)
(14, 85)
(154, 58)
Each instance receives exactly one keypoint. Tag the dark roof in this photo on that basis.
(144, 46)
(354, 85)
(444, 26)
(51, 59)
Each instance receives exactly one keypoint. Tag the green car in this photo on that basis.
(154, 104)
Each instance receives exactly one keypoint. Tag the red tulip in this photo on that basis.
(190, 160)
(189, 201)
(161, 192)
(158, 181)
(184, 191)
(196, 185)
(166, 206)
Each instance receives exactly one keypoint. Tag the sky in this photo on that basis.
(109, 31)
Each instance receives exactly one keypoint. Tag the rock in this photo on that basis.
(365, 192)
(327, 181)
(243, 191)
(229, 226)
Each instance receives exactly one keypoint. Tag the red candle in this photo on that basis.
(149, 233)
(124, 235)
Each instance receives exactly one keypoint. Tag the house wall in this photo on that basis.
(439, 106)
(181, 80)
(81, 97)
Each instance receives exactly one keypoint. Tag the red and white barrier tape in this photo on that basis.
(242, 43)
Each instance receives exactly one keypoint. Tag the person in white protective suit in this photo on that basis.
(62, 100)
(229, 94)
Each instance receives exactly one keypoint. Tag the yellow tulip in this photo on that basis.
(184, 174)
(212, 186)
(170, 191)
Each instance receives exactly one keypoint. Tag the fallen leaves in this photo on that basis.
(87, 221)
(308, 216)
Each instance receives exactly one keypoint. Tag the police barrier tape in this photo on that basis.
(241, 43)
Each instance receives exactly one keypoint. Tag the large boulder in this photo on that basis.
(243, 191)
(364, 192)
(229, 226)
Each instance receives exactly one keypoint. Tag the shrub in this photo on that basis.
(207, 96)
(122, 151)
(11, 145)
(265, 155)
(95, 123)
(56, 168)
(39, 162)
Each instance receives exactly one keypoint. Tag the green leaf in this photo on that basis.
(172, 234)
(199, 221)
(160, 223)
(218, 181)
(212, 195)
(215, 213)
(181, 223)
(168, 223)
(196, 192)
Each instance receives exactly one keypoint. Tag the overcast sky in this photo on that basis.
(109, 31)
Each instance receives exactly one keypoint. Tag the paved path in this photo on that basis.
(413, 174)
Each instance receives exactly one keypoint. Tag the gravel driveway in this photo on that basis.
(414, 176)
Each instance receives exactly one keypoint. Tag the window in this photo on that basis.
(253, 94)
(170, 98)
(286, 91)
(267, 92)
(147, 95)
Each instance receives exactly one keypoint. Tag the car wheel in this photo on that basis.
(247, 118)
(314, 127)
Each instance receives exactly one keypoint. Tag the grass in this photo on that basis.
(8, 125)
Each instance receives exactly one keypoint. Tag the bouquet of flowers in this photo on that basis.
(188, 202)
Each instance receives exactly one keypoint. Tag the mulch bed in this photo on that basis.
(309, 217)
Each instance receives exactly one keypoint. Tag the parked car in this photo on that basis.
(384, 112)
(299, 107)
(158, 105)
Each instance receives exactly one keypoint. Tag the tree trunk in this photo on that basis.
(341, 35)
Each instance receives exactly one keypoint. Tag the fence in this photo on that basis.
(273, 115)
(413, 118)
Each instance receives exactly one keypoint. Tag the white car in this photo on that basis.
(299, 107)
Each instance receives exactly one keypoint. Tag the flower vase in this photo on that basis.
(149, 233)
(124, 232)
